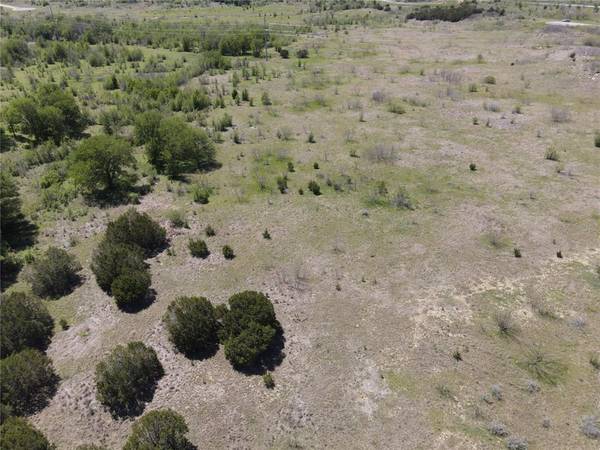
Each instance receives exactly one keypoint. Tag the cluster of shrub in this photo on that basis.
(447, 13)
(27, 377)
(118, 262)
(127, 378)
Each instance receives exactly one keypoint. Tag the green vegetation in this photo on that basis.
(127, 378)
(192, 326)
(17, 434)
(27, 381)
(448, 13)
(54, 274)
(25, 322)
(162, 429)
(198, 248)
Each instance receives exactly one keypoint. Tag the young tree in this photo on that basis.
(99, 166)
(130, 288)
(15, 230)
(133, 227)
(180, 148)
(54, 274)
(24, 322)
(248, 328)
(163, 429)
(27, 381)
(17, 434)
(112, 259)
(192, 326)
(127, 378)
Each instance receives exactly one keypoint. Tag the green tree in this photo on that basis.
(130, 288)
(25, 322)
(192, 326)
(54, 274)
(248, 328)
(15, 230)
(180, 148)
(111, 259)
(133, 227)
(163, 429)
(99, 166)
(146, 130)
(127, 378)
(27, 381)
(17, 434)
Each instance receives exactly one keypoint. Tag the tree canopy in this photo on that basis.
(163, 429)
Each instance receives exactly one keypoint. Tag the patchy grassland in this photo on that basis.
(377, 286)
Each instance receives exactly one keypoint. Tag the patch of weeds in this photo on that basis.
(506, 324)
(595, 361)
(177, 218)
(498, 429)
(268, 380)
(444, 391)
(544, 368)
(516, 443)
(396, 107)
(590, 427)
(552, 154)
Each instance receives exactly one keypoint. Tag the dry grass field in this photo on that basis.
(443, 151)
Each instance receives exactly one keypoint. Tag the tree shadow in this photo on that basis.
(141, 305)
(43, 397)
(199, 355)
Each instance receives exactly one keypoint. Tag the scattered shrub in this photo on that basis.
(489, 80)
(17, 434)
(590, 427)
(552, 154)
(209, 231)
(516, 443)
(448, 13)
(597, 140)
(266, 234)
(302, 53)
(396, 108)
(192, 326)
(472, 167)
(282, 184)
(162, 429)
(131, 288)
(228, 252)
(265, 99)
(24, 322)
(249, 327)
(54, 274)
(498, 429)
(110, 259)
(506, 324)
(268, 380)
(543, 368)
(198, 248)
(139, 229)
(314, 187)
(127, 378)
(517, 252)
(177, 218)
(27, 381)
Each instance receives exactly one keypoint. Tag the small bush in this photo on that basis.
(268, 380)
(17, 434)
(192, 326)
(552, 154)
(517, 252)
(161, 429)
(24, 322)
(228, 252)
(265, 99)
(127, 378)
(54, 274)
(177, 218)
(472, 167)
(506, 324)
(198, 248)
(284, 53)
(590, 427)
(498, 429)
(266, 234)
(209, 231)
(201, 194)
(314, 187)
(491, 106)
(282, 184)
(27, 381)
(302, 53)
(516, 443)
(489, 80)
(544, 368)
(311, 138)
(597, 140)
(131, 288)
(396, 108)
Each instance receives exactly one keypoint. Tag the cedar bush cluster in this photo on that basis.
(118, 262)
(447, 13)
(162, 429)
(17, 434)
